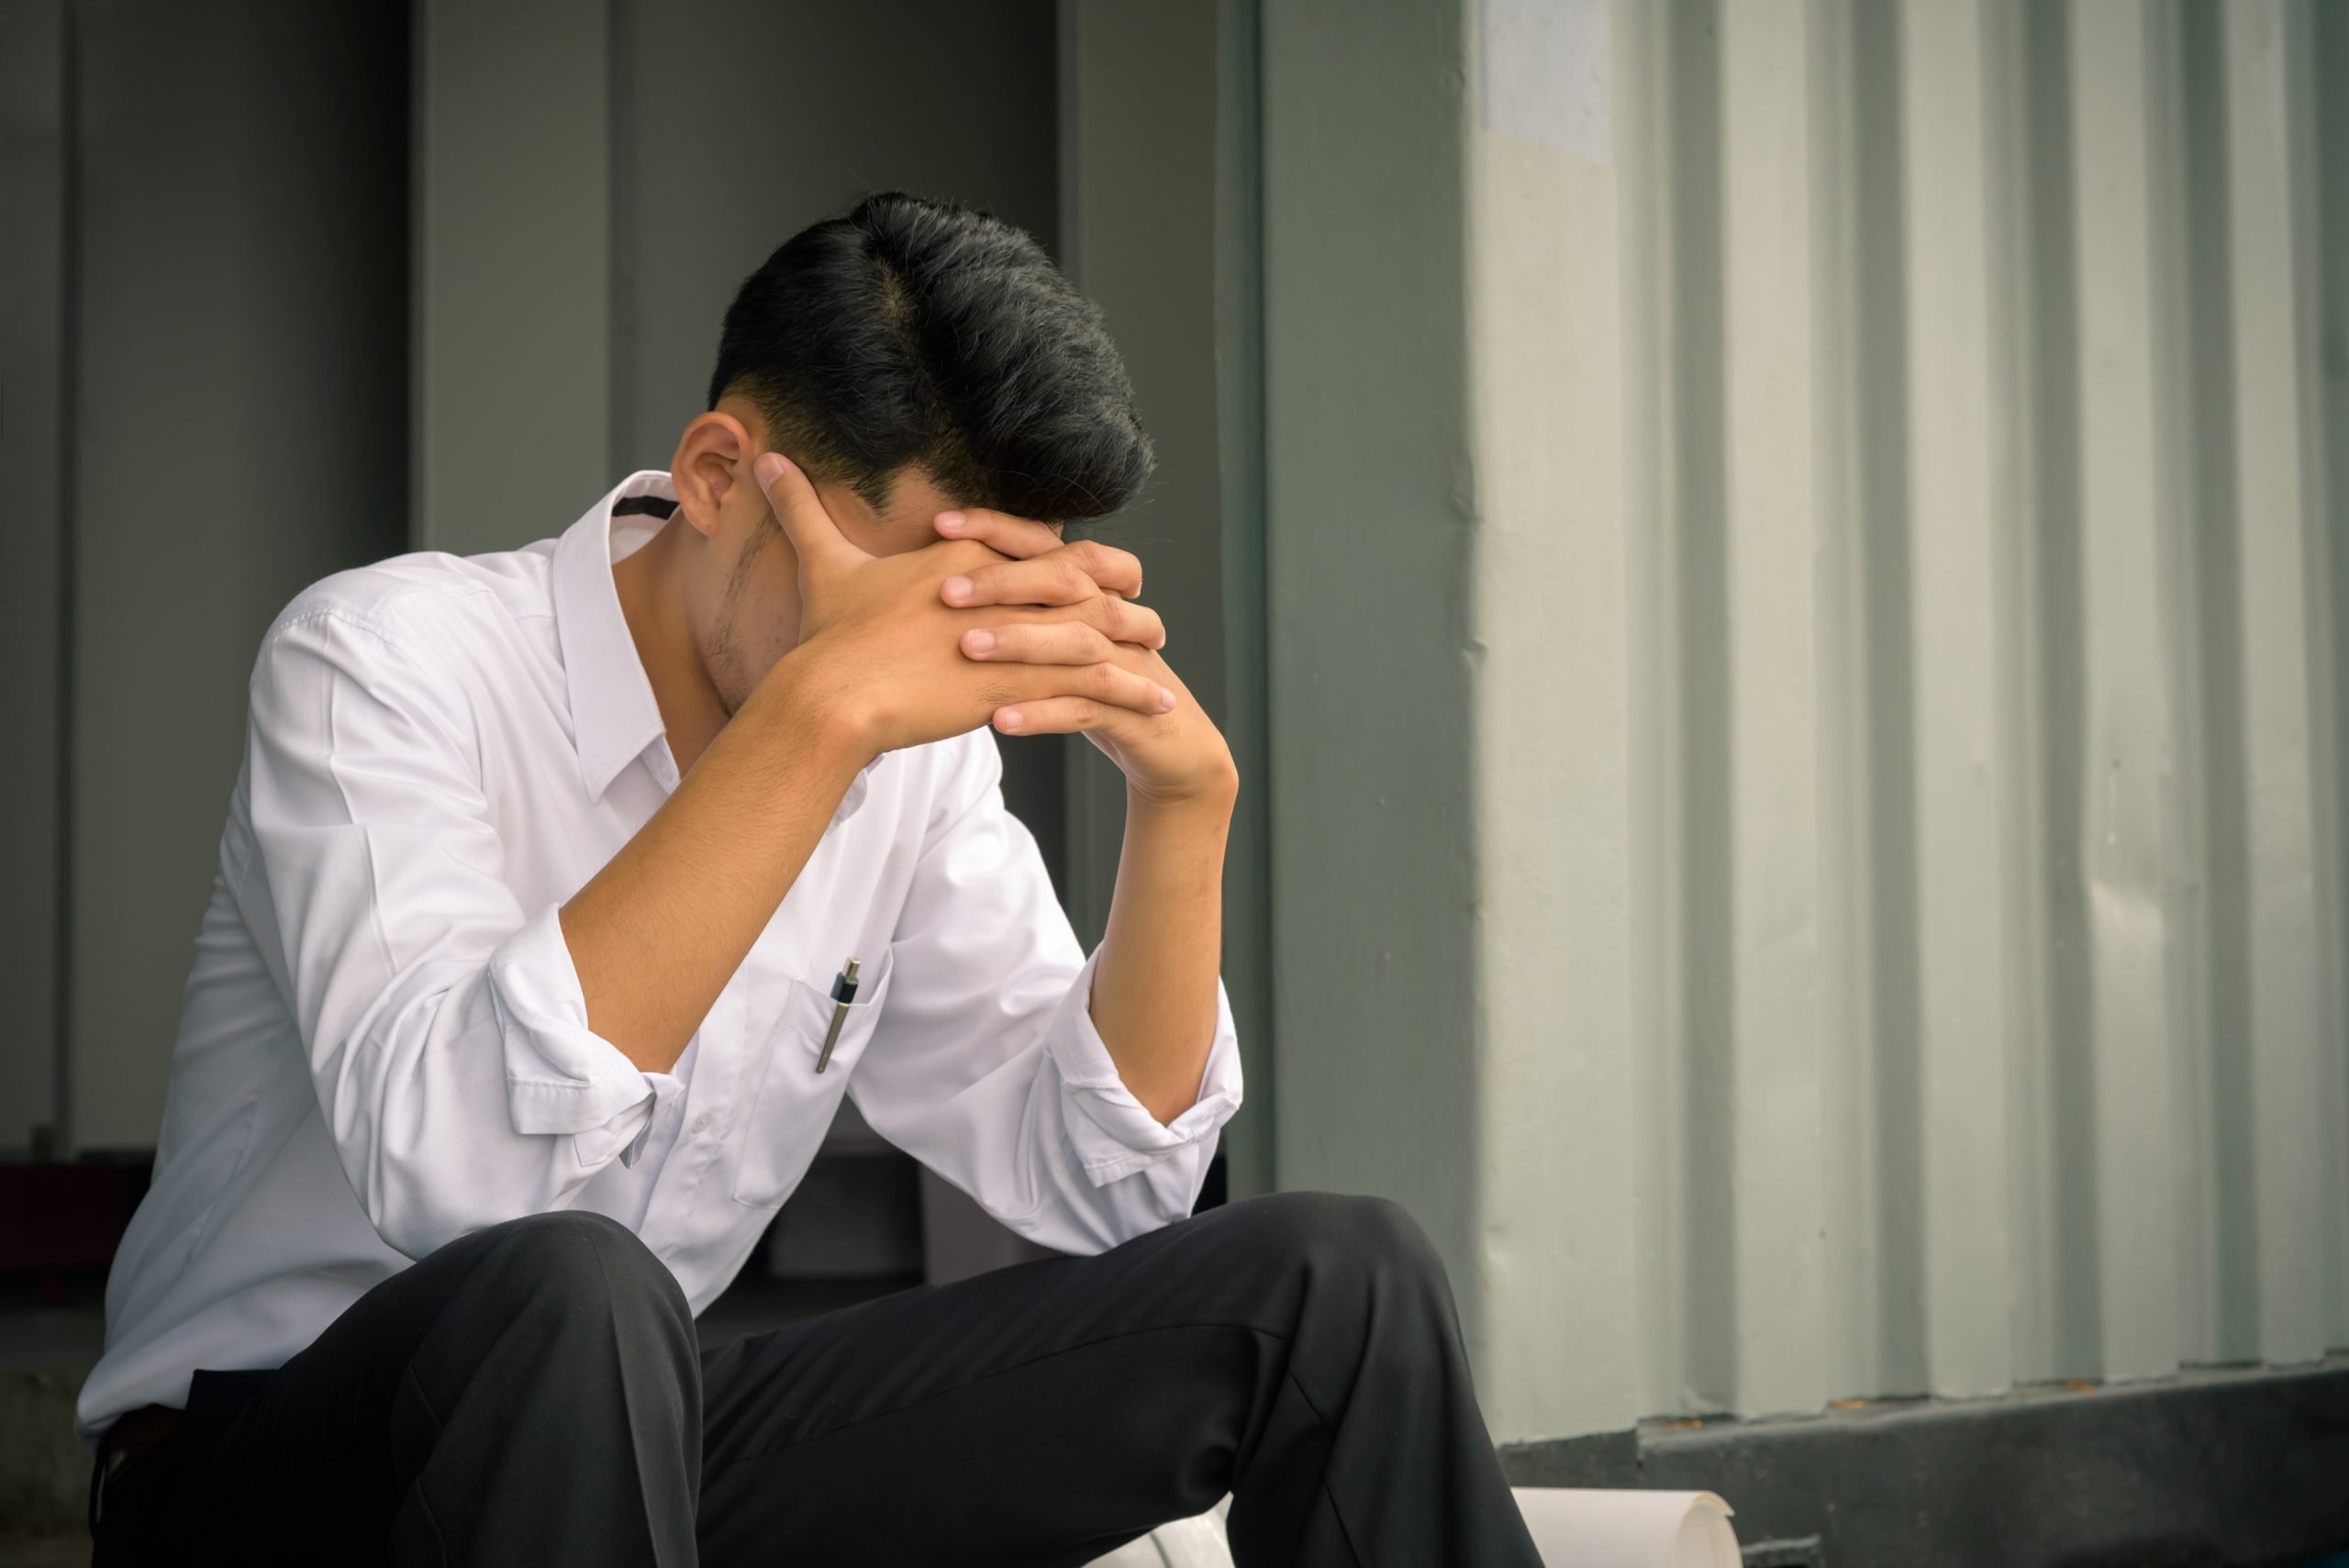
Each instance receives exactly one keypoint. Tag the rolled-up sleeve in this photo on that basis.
(1110, 1132)
(984, 1062)
(444, 1023)
(561, 1076)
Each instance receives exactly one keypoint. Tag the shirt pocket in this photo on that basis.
(793, 1106)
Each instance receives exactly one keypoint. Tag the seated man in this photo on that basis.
(566, 892)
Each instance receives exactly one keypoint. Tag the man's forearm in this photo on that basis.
(656, 934)
(1154, 998)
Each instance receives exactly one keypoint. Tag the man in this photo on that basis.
(566, 892)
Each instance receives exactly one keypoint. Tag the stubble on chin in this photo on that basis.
(729, 670)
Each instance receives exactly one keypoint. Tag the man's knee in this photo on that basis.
(1371, 1238)
(590, 1261)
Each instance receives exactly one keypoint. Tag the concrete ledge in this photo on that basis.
(2239, 1467)
(44, 1469)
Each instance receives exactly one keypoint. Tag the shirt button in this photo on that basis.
(701, 1121)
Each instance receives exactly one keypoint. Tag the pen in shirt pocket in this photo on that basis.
(843, 992)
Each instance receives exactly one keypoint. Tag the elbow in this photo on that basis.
(1164, 1108)
(420, 1194)
(411, 1233)
(417, 1216)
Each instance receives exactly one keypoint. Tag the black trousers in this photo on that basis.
(534, 1392)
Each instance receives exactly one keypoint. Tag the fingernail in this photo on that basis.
(1165, 699)
(950, 522)
(1009, 719)
(769, 468)
(979, 641)
(957, 588)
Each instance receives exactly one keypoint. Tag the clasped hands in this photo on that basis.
(997, 622)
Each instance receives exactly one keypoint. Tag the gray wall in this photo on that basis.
(336, 281)
(225, 329)
(736, 124)
(1807, 558)
(511, 303)
(571, 284)
(1369, 546)
(34, 270)
(1159, 224)
(593, 187)
(219, 411)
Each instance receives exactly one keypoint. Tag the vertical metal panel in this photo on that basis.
(1138, 104)
(1158, 226)
(1239, 446)
(35, 285)
(1982, 403)
(1952, 1315)
(699, 199)
(2326, 59)
(237, 433)
(712, 167)
(1658, 1157)
(511, 374)
(2279, 525)
(1552, 894)
(1767, 883)
(2203, 902)
(1958, 758)
(1372, 650)
(2111, 863)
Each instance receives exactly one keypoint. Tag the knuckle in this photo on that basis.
(1100, 559)
(1085, 710)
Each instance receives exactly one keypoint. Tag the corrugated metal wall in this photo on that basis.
(1987, 412)
(201, 390)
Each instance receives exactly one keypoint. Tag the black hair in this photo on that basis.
(915, 331)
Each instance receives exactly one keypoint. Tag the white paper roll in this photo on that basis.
(1628, 1529)
(1573, 1528)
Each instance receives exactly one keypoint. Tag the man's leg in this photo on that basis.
(1299, 1350)
(528, 1393)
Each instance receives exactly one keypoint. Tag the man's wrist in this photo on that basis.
(816, 711)
(1209, 800)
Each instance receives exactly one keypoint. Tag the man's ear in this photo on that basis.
(713, 457)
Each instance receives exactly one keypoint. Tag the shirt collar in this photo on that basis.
(614, 716)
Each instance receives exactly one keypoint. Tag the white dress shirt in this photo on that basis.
(384, 1045)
